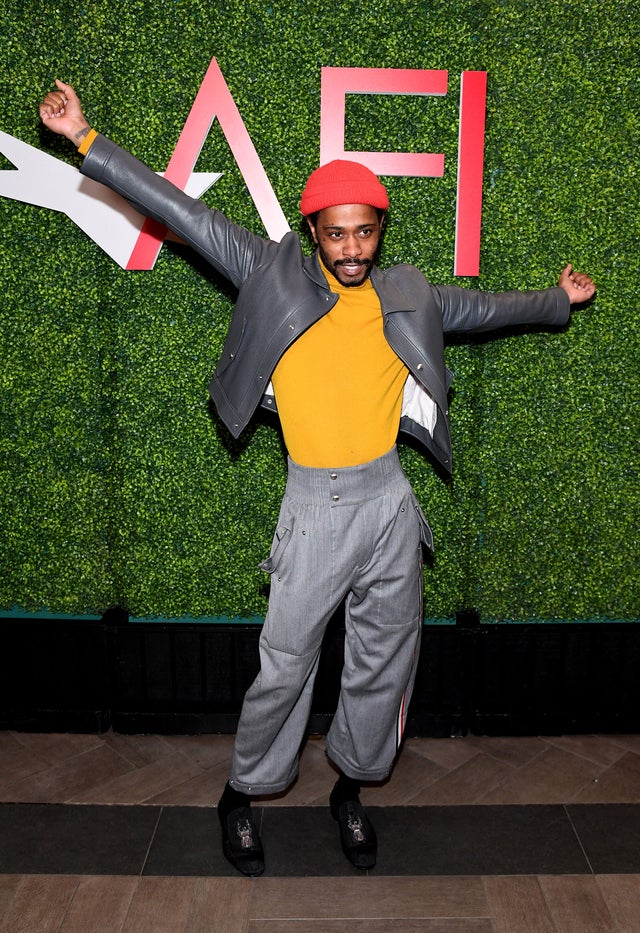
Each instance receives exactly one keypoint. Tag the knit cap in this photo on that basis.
(342, 182)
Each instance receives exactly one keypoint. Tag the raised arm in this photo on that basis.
(232, 250)
(467, 311)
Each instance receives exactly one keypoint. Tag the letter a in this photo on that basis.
(213, 100)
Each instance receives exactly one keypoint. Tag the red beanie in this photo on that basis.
(342, 182)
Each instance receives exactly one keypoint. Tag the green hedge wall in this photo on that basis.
(119, 485)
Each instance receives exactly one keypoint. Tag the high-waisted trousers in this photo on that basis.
(352, 534)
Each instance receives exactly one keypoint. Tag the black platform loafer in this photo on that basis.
(241, 841)
(357, 835)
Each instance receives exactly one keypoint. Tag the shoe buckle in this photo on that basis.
(355, 828)
(244, 832)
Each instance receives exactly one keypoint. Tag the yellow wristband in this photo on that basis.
(84, 147)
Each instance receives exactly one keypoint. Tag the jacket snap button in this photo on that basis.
(419, 367)
(336, 498)
(333, 475)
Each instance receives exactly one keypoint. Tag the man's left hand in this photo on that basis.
(578, 286)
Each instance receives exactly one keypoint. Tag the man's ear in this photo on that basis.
(312, 228)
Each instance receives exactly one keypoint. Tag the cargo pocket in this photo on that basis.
(279, 545)
(426, 535)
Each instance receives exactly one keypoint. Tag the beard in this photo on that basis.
(349, 281)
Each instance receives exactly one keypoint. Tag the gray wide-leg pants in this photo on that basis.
(354, 532)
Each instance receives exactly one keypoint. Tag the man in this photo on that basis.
(350, 355)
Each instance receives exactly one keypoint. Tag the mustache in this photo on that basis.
(353, 262)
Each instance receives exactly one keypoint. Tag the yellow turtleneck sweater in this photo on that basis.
(339, 386)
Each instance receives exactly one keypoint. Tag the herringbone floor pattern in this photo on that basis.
(191, 770)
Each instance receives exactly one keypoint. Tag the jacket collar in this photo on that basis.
(391, 297)
(311, 266)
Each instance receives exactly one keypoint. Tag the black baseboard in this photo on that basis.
(59, 675)
(54, 675)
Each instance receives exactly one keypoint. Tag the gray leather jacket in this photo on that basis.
(282, 292)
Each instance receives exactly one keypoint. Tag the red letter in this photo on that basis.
(473, 96)
(213, 99)
(338, 82)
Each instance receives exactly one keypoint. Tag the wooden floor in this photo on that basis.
(189, 771)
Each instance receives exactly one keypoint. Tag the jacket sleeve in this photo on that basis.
(232, 250)
(468, 311)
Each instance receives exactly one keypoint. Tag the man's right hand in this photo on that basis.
(61, 112)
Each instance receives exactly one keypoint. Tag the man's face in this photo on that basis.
(348, 237)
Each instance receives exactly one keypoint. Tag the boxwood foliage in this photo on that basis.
(120, 485)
